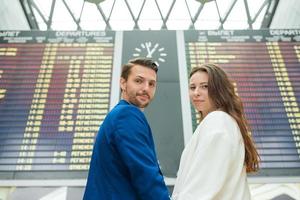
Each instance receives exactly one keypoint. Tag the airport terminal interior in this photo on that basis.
(60, 65)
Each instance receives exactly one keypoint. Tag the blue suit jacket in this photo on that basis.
(124, 164)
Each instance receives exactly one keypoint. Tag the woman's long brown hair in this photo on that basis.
(221, 92)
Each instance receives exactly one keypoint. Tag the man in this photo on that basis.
(124, 164)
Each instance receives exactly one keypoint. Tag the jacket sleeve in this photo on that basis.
(135, 145)
(210, 165)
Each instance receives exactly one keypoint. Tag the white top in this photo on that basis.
(212, 163)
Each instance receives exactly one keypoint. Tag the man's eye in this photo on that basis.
(138, 81)
(152, 84)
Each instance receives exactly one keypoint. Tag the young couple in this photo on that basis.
(213, 164)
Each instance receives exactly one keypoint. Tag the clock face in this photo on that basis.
(151, 50)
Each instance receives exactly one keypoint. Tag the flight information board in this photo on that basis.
(54, 94)
(56, 87)
(265, 66)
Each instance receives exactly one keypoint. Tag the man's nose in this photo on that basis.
(146, 86)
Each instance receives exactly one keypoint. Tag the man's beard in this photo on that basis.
(133, 100)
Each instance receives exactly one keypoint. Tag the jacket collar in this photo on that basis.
(123, 102)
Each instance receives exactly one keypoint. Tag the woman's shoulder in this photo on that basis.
(218, 120)
(218, 115)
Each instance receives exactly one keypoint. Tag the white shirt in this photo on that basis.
(212, 163)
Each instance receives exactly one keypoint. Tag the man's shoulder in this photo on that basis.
(126, 110)
(127, 115)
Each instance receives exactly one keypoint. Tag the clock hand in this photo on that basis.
(149, 54)
(153, 50)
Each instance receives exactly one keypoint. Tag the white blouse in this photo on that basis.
(212, 163)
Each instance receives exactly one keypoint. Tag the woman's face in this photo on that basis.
(198, 90)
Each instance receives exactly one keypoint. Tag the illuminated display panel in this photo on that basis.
(266, 72)
(55, 91)
(54, 94)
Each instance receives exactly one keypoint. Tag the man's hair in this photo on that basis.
(138, 61)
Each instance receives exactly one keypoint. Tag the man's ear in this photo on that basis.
(122, 84)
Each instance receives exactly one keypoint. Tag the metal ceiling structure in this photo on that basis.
(148, 14)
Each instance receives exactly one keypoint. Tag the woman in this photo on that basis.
(214, 163)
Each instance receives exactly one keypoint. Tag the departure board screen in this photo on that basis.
(56, 88)
(54, 94)
(265, 68)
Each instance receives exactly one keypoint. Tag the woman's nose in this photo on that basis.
(197, 92)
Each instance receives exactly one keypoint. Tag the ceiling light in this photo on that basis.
(204, 1)
(95, 1)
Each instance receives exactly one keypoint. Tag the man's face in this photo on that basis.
(139, 89)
